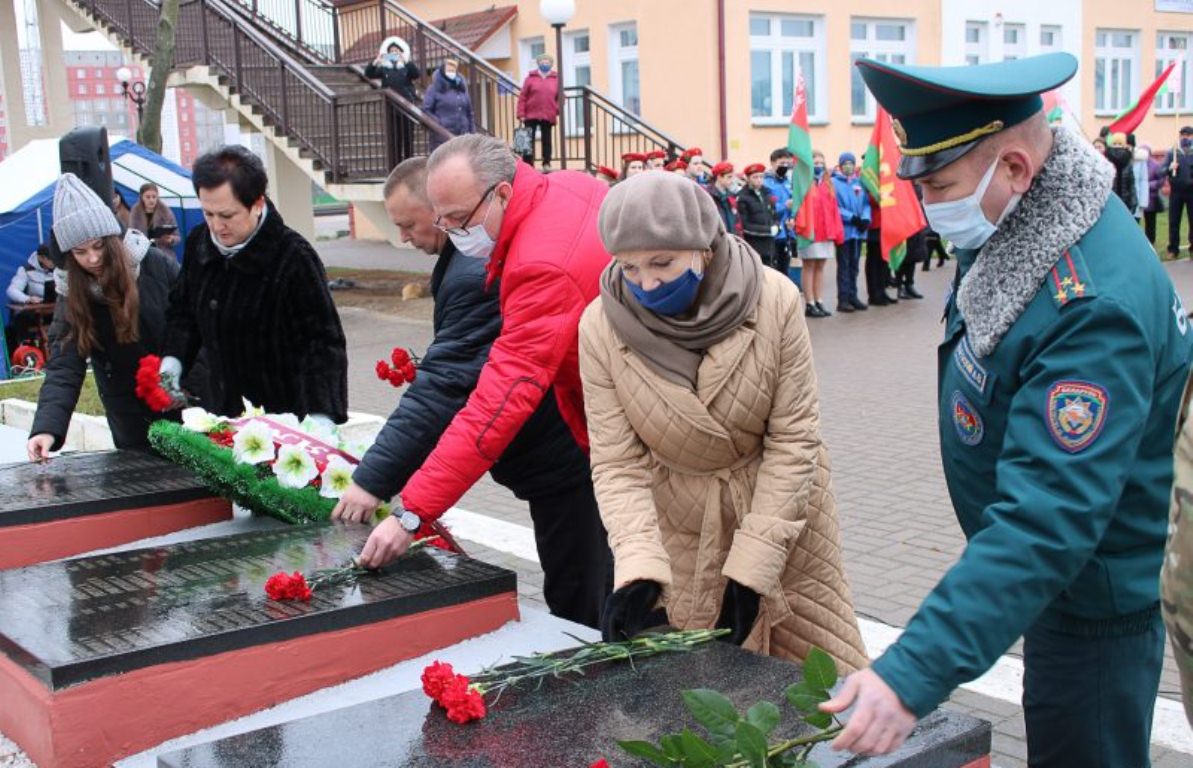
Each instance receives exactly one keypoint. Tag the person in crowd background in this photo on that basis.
(121, 209)
(253, 296)
(696, 167)
(757, 215)
(722, 178)
(878, 271)
(1178, 165)
(538, 106)
(154, 218)
(395, 69)
(447, 101)
(1156, 174)
(777, 182)
(28, 286)
(718, 503)
(632, 163)
(543, 465)
(655, 160)
(607, 175)
(1122, 158)
(113, 293)
(854, 204)
(819, 223)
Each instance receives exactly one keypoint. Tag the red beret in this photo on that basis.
(722, 168)
(691, 152)
(681, 165)
(608, 173)
(755, 168)
(655, 154)
(630, 157)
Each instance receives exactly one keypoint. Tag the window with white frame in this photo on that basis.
(530, 49)
(1014, 41)
(976, 39)
(1170, 47)
(887, 40)
(782, 47)
(1050, 38)
(80, 73)
(623, 66)
(100, 90)
(578, 64)
(1116, 69)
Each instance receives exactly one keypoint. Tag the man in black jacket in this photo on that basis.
(1179, 167)
(757, 214)
(253, 295)
(543, 465)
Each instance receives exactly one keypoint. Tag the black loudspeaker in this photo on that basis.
(84, 152)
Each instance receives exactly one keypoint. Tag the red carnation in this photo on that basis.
(462, 702)
(436, 677)
(399, 357)
(284, 586)
(382, 370)
(149, 384)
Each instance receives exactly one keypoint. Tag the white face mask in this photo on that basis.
(476, 243)
(962, 222)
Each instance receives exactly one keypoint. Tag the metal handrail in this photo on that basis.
(621, 113)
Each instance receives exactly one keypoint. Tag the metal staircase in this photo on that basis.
(297, 67)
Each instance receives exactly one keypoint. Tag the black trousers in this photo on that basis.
(1149, 225)
(876, 269)
(574, 553)
(544, 130)
(765, 246)
(1179, 204)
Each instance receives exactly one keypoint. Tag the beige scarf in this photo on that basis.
(674, 346)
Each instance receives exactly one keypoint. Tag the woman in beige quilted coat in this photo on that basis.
(703, 417)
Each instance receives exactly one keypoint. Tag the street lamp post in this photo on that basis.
(134, 92)
(558, 13)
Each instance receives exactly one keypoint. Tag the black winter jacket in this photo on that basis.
(400, 79)
(1124, 175)
(543, 459)
(755, 211)
(265, 320)
(115, 364)
(1180, 180)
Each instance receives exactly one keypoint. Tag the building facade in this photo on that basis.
(662, 59)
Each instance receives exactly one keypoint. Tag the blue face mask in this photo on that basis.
(818, 171)
(670, 298)
(544, 68)
(1186, 143)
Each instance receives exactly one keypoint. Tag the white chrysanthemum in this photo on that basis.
(251, 410)
(336, 478)
(285, 419)
(199, 420)
(253, 443)
(294, 468)
(320, 430)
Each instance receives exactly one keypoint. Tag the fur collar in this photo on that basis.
(1064, 202)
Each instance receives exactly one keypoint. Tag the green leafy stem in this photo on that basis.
(737, 741)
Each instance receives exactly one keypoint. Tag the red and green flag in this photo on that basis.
(1054, 105)
(799, 142)
(902, 215)
(1128, 121)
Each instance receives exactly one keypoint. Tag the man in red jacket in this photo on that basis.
(538, 234)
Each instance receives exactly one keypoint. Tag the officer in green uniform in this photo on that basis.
(1065, 354)
(1176, 578)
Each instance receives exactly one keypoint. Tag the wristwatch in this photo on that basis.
(410, 521)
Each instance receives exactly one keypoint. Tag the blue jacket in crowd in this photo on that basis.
(854, 202)
(447, 101)
(780, 190)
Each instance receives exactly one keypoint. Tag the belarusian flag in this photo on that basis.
(1130, 120)
(799, 142)
(902, 215)
(1054, 105)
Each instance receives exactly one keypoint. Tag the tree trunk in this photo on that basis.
(149, 132)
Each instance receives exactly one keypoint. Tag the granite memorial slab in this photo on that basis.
(85, 501)
(104, 656)
(567, 724)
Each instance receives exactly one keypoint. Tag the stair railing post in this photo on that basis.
(236, 60)
(285, 126)
(298, 21)
(128, 15)
(381, 17)
(203, 31)
(335, 140)
(335, 33)
(586, 119)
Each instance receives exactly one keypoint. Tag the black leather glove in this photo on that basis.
(628, 609)
(739, 611)
(857, 222)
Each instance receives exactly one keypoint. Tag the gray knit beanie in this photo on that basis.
(658, 211)
(79, 214)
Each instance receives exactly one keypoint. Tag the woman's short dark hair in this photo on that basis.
(146, 187)
(234, 165)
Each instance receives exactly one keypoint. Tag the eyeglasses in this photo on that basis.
(462, 229)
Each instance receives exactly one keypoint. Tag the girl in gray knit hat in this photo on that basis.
(111, 311)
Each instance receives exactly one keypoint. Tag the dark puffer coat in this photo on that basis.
(115, 364)
(447, 101)
(543, 459)
(265, 320)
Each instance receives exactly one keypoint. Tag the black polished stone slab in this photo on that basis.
(71, 621)
(565, 724)
(90, 484)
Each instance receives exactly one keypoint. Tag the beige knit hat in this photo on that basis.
(658, 211)
(79, 214)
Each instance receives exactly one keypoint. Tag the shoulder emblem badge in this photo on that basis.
(967, 420)
(1076, 413)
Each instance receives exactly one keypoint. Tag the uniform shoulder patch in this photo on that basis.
(967, 420)
(1076, 413)
(1069, 279)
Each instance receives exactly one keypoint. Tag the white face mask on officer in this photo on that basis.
(962, 222)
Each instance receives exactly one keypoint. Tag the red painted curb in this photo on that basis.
(97, 722)
(22, 545)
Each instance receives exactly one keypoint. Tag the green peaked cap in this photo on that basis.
(941, 113)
